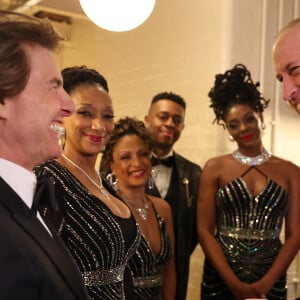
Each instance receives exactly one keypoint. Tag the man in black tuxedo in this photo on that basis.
(176, 178)
(34, 263)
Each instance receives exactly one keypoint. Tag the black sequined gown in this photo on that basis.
(100, 242)
(146, 268)
(248, 229)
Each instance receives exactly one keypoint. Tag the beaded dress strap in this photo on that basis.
(256, 168)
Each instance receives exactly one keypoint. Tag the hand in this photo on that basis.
(261, 288)
(244, 291)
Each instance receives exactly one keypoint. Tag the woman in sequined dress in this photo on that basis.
(244, 198)
(127, 159)
(97, 227)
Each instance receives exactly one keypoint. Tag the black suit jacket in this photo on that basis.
(33, 265)
(182, 196)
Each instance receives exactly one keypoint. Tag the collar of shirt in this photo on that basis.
(25, 183)
(163, 176)
(171, 153)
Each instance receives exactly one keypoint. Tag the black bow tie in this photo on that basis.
(168, 161)
(44, 193)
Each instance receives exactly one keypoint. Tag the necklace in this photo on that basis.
(99, 186)
(252, 161)
(142, 211)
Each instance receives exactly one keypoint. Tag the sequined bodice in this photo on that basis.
(248, 229)
(100, 242)
(240, 211)
(146, 267)
(248, 226)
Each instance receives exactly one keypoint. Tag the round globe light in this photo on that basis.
(117, 15)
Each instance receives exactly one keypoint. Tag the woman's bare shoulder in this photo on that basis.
(218, 161)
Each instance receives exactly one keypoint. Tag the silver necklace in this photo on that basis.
(99, 186)
(142, 211)
(252, 161)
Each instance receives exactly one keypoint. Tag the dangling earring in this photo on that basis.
(113, 180)
(151, 181)
(263, 125)
(231, 138)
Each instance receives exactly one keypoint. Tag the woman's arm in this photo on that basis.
(292, 232)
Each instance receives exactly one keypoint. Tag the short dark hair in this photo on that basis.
(169, 96)
(16, 31)
(125, 126)
(235, 86)
(81, 75)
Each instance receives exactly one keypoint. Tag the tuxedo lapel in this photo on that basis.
(183, 181)
(55, 251)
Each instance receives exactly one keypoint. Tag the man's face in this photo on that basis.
(31, 115)
(286, 57)
(165, 122)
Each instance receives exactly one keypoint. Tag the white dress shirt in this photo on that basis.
(162, 176)
(22, 181)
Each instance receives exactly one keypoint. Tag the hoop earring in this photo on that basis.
(263, 125)
(231, 138)
(151, 181)
(113, 181)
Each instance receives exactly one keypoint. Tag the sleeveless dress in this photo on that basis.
(248, 229)
(100, 242)
(146, 268)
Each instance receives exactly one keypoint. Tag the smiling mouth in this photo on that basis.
(167, 133)
(247, 137)
(96, 138)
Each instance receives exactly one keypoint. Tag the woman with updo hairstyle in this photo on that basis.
(127, 164)
(246, 198)
(97, 227)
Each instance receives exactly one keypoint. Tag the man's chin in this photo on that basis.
(55, 152)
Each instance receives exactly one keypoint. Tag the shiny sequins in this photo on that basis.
(100, 242)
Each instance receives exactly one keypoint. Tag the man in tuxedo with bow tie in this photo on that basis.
(176, 178)
(34, 263)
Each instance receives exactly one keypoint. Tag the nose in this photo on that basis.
(289, 89)
(170, 122)
(243, 126)
(97, 124)
(135, 161)
(67, 104)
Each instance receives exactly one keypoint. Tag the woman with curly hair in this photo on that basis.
(245, 196)
(126, 159)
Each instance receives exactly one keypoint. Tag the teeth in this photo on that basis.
(60, 133)
(58, 129)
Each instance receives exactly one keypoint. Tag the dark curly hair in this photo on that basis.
(81, 75)
(169, 96)
(235, 86)
(125, 126)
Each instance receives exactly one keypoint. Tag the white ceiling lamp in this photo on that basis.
(117, 15)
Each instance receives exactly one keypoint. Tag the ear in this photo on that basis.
(146, 121)
(261, 117)
(4, 111)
